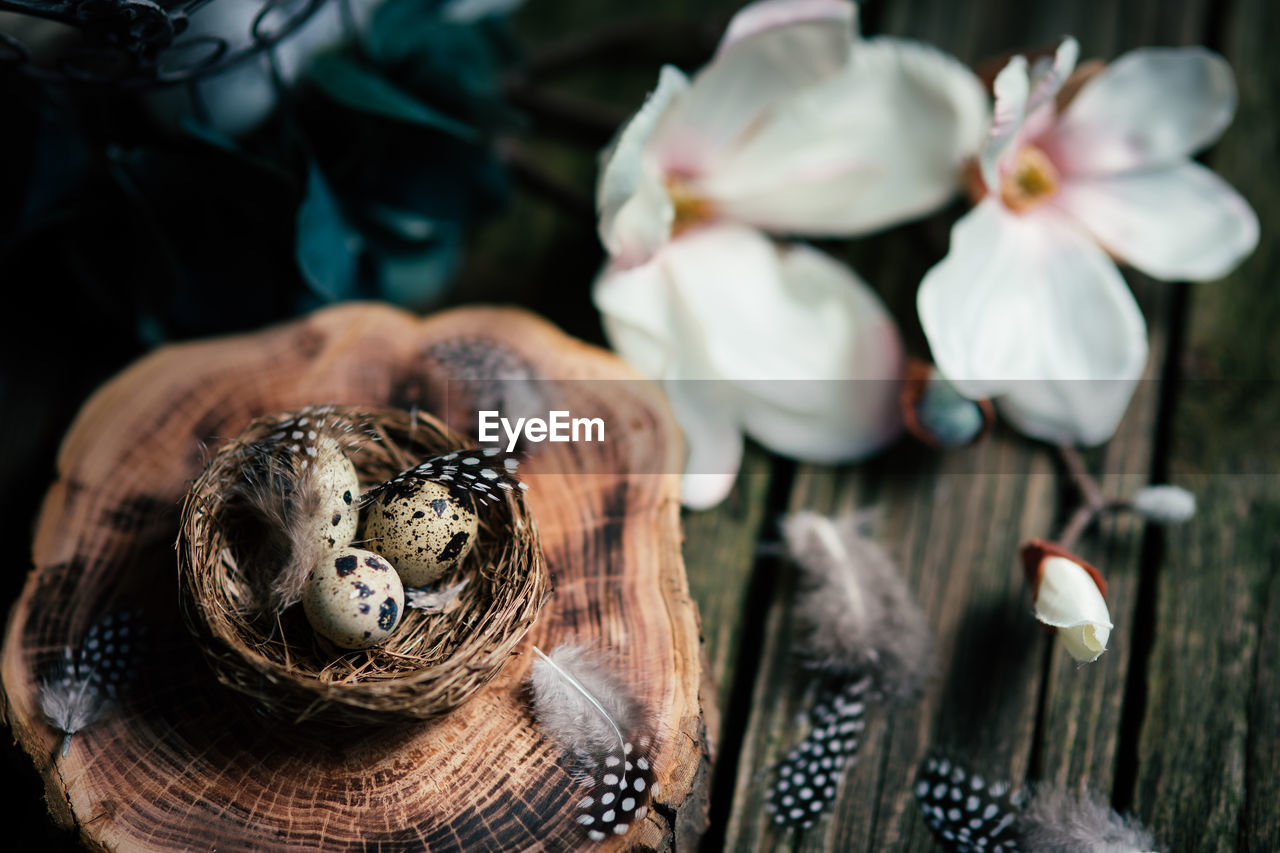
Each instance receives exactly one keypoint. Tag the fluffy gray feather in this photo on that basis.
(583, 706)
(1057, 822)
(855, 611)
(72, 702)
(566, 709)
(277, 501)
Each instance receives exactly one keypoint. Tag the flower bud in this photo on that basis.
(1164, 504)
(1068, 595)
(939, 415)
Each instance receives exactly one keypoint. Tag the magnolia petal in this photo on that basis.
(1176, 222)
(1150, 107)
(1029, 309)
(856, 392)
(713, 440)
(764, 15)
(635, 309)
(1046, 78)
(879, 143)
(1068, 599)
(747, 78)
(1012, 87)
(635, 210)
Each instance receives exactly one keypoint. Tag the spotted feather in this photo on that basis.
(810, 774)
(483, 473)
(968, 813)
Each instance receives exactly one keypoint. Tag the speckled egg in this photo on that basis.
(355, 598)
(422, 527)
(337, 513)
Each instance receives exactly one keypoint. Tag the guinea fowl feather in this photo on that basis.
(863, 635)
(595, 718)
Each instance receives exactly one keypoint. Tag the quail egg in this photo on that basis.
(422, 527)
(354, 598)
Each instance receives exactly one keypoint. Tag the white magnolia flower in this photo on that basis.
(794, 126)
(1070, 596)
(1027, 306)
(790, 345)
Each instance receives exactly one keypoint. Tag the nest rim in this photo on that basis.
(432, 663)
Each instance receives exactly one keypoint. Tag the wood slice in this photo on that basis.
(182, 762)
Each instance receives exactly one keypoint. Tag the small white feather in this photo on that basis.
(1057, 822)
(72, 703)
(432, 600)
(855, 611)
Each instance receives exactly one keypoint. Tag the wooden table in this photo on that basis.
(1180, 720)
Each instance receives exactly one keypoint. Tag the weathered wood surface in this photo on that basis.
(1180, 720)
(184, 763)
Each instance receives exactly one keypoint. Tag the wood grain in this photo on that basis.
(1210, 738)
(1003, 697)
(187, 764)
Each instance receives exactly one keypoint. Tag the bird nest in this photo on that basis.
(431, 663)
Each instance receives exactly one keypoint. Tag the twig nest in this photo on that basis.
(428, 664)
(423, 528)
(354, 598)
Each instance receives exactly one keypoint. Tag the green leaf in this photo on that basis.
(328, 248)
(350, 84)
(418, 280)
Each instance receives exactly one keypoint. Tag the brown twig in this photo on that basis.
(1093, 502)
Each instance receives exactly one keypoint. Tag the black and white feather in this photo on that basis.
(810, 774)
(482, 473)
(280, 500)
(966, 811)
(88, 679)
(864, 637)
(597, 721)
(969, 814)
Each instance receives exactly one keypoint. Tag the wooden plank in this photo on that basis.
(955, 524)
(1210, 738)
(719, 555)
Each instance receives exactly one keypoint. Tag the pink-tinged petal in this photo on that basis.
(1012, 87)
(1047, 77)
(746, 79)
(1150, 107)
(635, 211)
(765, 15)
(1178, 222)
(856, 390)
(881, 142)
(1029, 310)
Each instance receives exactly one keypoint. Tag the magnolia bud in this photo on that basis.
(1164, 504)
(939, 415)
(1069, 595)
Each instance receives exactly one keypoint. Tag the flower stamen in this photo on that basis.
(690, 208)
(1032, 180)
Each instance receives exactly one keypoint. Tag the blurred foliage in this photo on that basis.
(141, 225)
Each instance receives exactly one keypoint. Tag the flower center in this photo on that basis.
(1032, 180)
(690, 208)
